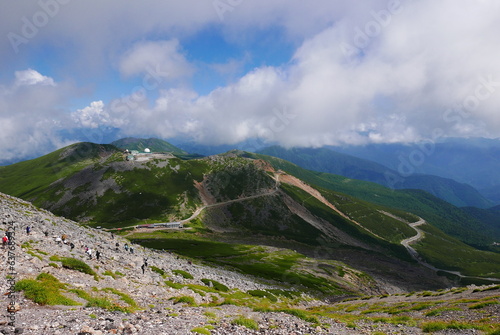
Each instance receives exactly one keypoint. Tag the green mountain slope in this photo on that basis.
(30, 179)
(243, 198)
(154, 144)
(329, 161)
(490, 216)
(443, 215)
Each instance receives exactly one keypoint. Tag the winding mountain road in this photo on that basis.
(420, 234)
(198, 211)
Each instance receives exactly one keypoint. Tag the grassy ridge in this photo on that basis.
(30, 178)
(154, 144)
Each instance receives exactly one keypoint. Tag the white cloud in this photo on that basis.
(396, 89)
(91, 116)
(162, 59)
(31, 114)
(31, 77)
(407, 72)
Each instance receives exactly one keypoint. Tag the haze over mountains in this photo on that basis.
(474, 161)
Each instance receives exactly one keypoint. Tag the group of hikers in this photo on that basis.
(63, 239)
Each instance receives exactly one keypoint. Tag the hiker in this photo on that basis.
(64, 237)
(58, 240)
(143, 267)
(97, 254)
(131, 250)
(5, 240)
(89, 252)
(46, 233)
(28, 230)
(72, 246)
(145, 261)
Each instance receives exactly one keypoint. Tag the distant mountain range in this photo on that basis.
(473, 161)
(327, 160)
(153, 144)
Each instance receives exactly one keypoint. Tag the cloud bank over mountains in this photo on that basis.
(387, 71)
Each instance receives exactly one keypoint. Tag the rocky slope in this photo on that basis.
(164, 299)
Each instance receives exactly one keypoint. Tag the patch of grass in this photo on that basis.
(184, 299)
(173, 285)
(245, 322)
(263, 294)
(78, 265)
(215, 284)
(55, 258)
(158, 270)
(126, 298)
(102, 302)
(184, 274)
(109, 273)
(421, 306)
(286, 293)
(484, 304)
(301, 314)
(434, 326)
(200, 330)
(351, 325)
(210, 315)
(439, 311)
(30, 252)
(44, 290)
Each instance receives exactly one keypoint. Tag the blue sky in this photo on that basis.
(297, 73)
